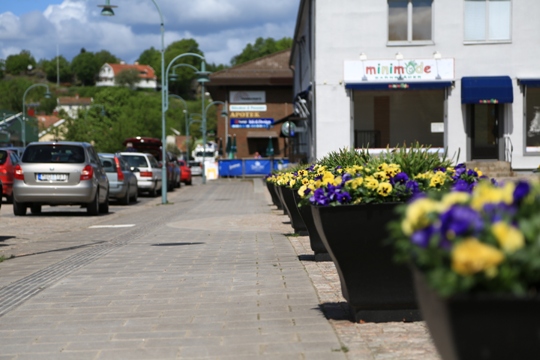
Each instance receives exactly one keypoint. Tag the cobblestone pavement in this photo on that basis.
(373, 341)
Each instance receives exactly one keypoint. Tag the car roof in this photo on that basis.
(76, 143)
(128, 153)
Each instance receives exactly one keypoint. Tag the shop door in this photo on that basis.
(485, 131)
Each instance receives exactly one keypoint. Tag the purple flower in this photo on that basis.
(521, 191)
(462, 185)
(400, 178)
(421, 237)
(343, 197)
(412, 186)
(319, 198)
(346, 177)
(460, 220)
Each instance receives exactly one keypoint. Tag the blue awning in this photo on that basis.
(530, 82)
(413, 85)
(486, 90)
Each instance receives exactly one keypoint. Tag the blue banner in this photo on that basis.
(280, 164)
(263, 123)
(258, 167)
(231, 167)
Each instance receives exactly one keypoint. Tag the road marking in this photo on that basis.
(111, 226)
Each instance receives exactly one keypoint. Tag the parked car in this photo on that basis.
(8, 161)
(147, 170)
(60, 173)
(185, 172)
(196, 168)
(153, 146)
(122, 181)
(172, 161)
(0, 192)
(17, 149)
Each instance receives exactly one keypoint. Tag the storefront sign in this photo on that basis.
(231, 167)
(247, 97)
(407, 70)
(258, 167)
(237, 123)
(247, 108)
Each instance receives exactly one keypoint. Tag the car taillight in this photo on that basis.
(119, 172)
(87, 173)
(19, 174)
(146, 174)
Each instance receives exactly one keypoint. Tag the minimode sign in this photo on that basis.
(237, 123)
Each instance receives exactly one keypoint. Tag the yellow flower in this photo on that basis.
(452, 198)
(437, 179)
(355, 183)
(384, 189)
(509, 237)
(416, 215)
(486, 193)
(380, 175)
(479, 172)
(328, 178)
(471, 256)
(371, 183)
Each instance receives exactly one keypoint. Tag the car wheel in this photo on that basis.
(19, 209)
(35, 209)
(135, 197)
(93, 207)
(125, 200)
(153, 191)
(188, 182)
(104, 208)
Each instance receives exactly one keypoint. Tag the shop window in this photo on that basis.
(409, 21)
(487, 20)
(532, 120)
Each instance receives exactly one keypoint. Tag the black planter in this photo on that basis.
(273, 194)
(315, 241)
(482, 326)
(376, 289)
(287, 195)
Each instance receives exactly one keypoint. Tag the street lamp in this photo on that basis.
(108, 11)
(185, 116)
(23, 125)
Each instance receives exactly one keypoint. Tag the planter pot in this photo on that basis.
(287, 195)
(481, 326)
(273, 194)
(315, 241)
(376, 289)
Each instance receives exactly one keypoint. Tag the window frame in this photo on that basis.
(410, 41)
(486, 40)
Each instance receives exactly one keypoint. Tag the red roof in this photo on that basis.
(45, 121)
(74, 100)
(145, 71)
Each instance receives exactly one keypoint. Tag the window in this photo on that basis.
(409, 21)
(487, 20)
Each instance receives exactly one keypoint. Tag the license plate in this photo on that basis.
(52, 177)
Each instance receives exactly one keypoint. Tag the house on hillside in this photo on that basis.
(73, 104)
(109, 72)
(50, 127)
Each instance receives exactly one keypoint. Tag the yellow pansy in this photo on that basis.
(380, 175)
(510, 238)
(471, 257)
(437, 179)
(355, 183)
(452, 198)
(416, 215)
(384, 189)
(487, 193)
(371, 183)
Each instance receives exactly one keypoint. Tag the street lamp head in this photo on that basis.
(203, 76)
(107, 8)
(173, 76)
(224, 113)
(48, 94)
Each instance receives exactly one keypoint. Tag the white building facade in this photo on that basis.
(460, 75)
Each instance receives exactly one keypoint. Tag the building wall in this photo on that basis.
(345, 28)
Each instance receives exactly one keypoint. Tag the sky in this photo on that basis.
(222, 28)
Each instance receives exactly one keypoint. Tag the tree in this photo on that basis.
(51, 69)
(18, 64)
(85, 67)
(262, 47)
(105, 57)
(2, 68)
(151, 57)
(129, 78)
(183, 86)
(12, 92)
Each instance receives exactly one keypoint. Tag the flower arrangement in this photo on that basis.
(394, 176)
(484, 239)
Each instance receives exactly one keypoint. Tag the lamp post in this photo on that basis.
(108, 11)
(203, 78)
(185, 115)
(23, 124)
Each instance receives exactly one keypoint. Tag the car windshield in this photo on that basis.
(55, 153)
(136, 160)
(206, 154)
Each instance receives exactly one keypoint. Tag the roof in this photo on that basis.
(271, 69)
(145, 71)
(45, 121)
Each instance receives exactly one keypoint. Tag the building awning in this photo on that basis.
(486, 90)
(262, 134)
(290, 117)
(412, 85)
(529, 82)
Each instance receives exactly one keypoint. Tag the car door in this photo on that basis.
(101, 175)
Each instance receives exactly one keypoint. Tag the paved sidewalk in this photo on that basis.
(214, 275)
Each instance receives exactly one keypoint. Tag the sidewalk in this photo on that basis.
(213, 275)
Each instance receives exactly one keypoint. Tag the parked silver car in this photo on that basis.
(147, 169)
(60, 173)
(122, 181)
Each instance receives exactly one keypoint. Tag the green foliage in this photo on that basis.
(18, 64)
(129, 78)
(105, 57)
(12, 92)
(151, 57)
(85, 67)
(262, 47)
(344, 157)
(2, 68)
(51, 69)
